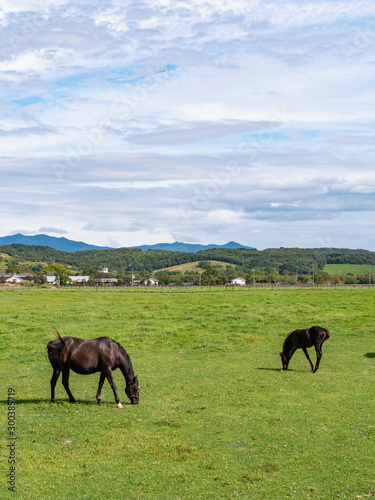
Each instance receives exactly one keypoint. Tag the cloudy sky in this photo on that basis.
(127, 123)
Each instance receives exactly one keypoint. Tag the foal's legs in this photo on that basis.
(55, 376)
(99, 393)
(318, 349)
(65, 381)
(308, 357)
(291, 352)
(108, 373)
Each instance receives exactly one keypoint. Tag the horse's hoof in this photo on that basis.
(119, 405)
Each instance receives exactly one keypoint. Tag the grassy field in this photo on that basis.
(193, 266)
(344, 269)
(216, 420)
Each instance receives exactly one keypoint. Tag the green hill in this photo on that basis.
(345, 269)
(126, 260)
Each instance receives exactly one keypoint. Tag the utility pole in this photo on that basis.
(313, 275)
(254, 278)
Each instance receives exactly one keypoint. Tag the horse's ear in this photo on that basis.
(136, 378)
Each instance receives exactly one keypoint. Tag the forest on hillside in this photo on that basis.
(127, 260)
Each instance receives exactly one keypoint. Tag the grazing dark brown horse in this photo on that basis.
(302, 339)
(90, 356)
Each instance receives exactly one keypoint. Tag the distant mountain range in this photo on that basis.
(190, 247)
(66, 245)
(48, 241)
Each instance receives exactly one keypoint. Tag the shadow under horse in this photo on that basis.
(303, 339)
(86, 356)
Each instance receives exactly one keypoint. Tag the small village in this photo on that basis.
(103, 278)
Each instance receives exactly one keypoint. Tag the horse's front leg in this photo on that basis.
(111, 380)
(55, 376)
(289, 357)
(99, 393)
(308, 357)
(319, 353)
(65, 381)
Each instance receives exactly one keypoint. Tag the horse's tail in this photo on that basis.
(328, 334)
(58, 336)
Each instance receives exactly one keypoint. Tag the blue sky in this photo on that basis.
(128, 123)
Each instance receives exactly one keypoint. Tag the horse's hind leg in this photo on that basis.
(308, 357)
(319, 353)
(65, 381)
(55, 376)
(99, 393)
(108, 374)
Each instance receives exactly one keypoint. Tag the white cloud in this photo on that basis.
(219, 120)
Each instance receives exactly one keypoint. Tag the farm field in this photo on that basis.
(344, 269)
(216, 420)
(193, 266)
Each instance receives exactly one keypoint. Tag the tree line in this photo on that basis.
(280, 261)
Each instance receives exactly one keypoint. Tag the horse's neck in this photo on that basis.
(127, 369)
(287, 346)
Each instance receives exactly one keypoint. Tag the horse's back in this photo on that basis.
(100, 348)
(303, 338)
(83, 356)
(308, 337)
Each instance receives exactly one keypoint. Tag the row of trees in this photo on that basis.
(274, 265)
(125, 260)
(211, 275)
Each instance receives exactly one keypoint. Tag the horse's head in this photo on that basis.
(284, 361)
(132, 391)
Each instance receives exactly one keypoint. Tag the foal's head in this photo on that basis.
(132, 391)
(284, 361)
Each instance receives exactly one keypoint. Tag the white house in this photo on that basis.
(238, 281)
(51, 280)
(151, 282)
(105, 277)
(79, 279)
(14, 278)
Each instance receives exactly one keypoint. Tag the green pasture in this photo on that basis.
(345, 269)
(216, 420)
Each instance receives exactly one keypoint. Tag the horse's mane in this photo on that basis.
(123, 352)
(288, 342)
(121, 348)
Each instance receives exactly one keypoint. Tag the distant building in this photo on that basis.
(238, 281)
(105, 277)
(151, 282)
(51, 280)
(79, 279)
(16, 277)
